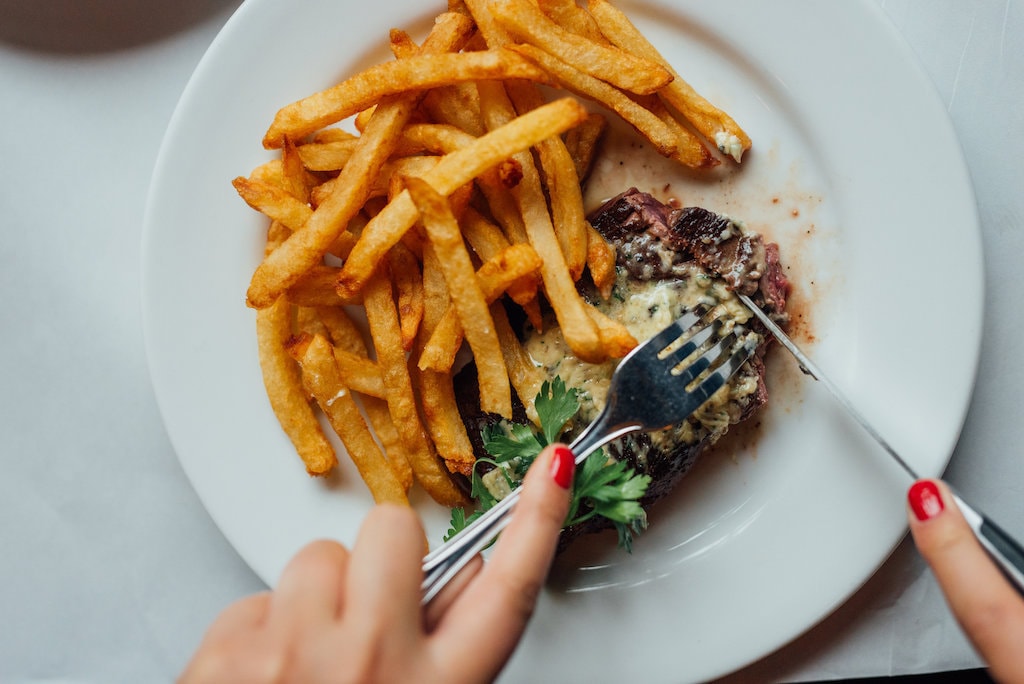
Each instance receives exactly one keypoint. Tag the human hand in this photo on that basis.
(340, 616)
(986, 605)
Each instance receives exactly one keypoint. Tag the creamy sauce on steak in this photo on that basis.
(646, 307)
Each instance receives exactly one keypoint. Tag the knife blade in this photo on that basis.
(1007, 552)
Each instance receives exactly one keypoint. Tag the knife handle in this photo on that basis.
(1004, 549)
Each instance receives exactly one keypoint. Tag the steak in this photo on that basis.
(655, 242)
(640, 227)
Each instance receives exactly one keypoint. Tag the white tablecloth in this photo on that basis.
(111, 567)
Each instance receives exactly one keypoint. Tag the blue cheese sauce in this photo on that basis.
(646, 307)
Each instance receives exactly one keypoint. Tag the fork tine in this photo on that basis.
(707, 359)
(696, 341)
(721, 375)
(676, 329)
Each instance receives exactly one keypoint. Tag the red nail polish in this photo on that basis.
(563, 464)
(925, 500)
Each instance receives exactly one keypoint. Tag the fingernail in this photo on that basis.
(925, 500)
(563, 463)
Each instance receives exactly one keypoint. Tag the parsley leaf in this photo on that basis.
(457, 524)
(556, 405)
(602, 486)
(608, 488)
(459, 521)
(519, 442)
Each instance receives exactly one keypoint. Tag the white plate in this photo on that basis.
(855, 171)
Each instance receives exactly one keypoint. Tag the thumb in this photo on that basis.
(501, 599)
(988, 608)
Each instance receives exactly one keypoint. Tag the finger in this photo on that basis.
(444, 600)
(385, 571)
(222, 652)
(990, 611)
(502, 597)
(309, 592)
(243, 615)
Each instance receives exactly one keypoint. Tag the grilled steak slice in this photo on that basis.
(657, 246)
(717, 244)
(640, 227)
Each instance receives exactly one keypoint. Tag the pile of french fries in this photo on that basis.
(459, 190)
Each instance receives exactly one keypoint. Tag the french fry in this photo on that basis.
(563, 186)
(523, 373)
(306, 247)
(382, 425)
(454, 170)
(441, 413)
(270, 172)
(387, 336)
(329, 135)
(579, 330)
(283, 382)
(600, 262)
(493, 33)
(273, 201)
(573, 18)
(493, 278)
(307, 321)
(470, 304)
(394, 169)
(566, 200)
(320, 378)
(617, 340)
(648, 124)
(277, 233)
(315, 287)
(502, 206)
(436, 298)
(488, 241)
(525, 21)
(362, 119)
(534, 314)
(344, 243)
(497, 109)
(484, 237)
(343, 332)
(359, 373)
(582, 142)
(374, 206)
(690, 151)
(714, 124)
(458, 201)
(436, 138)
(295, 180)
(380, 82)
(402, 44)
(436, 391)
(327, 156)
(409, 285)
(457, 105)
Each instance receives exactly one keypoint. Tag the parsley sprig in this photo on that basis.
(602, 486)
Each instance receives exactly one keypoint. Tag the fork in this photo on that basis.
(658, 384)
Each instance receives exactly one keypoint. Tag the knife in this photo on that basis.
(1004, 549)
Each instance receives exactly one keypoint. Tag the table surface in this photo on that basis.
(112, 569)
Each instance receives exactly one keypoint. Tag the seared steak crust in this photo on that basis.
(639, 226)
